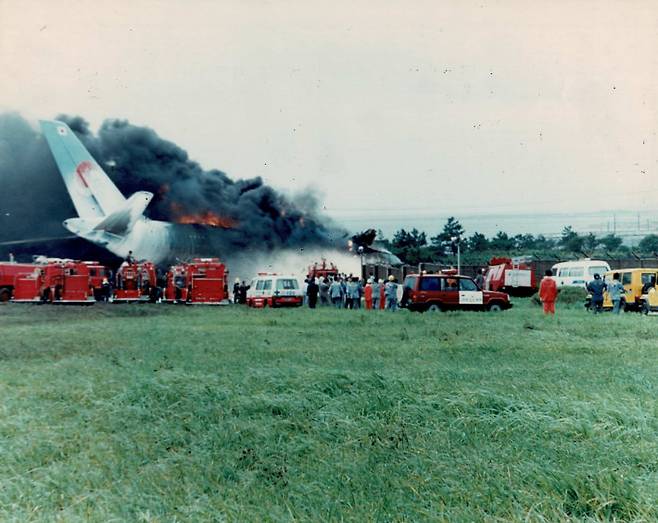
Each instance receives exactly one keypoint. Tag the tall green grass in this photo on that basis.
(153, 413)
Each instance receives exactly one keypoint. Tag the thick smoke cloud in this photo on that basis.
(35, 201)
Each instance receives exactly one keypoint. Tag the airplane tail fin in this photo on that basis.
(91, 190)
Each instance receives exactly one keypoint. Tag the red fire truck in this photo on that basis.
(201, 281)
(97, 273)
(9, 271)
(515, 276)
(55, 281)
(322, 270)
(135, 282)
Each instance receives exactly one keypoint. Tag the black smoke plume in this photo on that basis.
(250, 214)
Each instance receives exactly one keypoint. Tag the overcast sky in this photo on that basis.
(407, 106)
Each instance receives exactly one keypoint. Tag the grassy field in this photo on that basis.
(162, 413)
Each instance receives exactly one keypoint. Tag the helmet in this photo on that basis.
(237, 280)
(391, 278)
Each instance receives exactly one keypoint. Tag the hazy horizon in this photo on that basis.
(392, 105)
(630, 225)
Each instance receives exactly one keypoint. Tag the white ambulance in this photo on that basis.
(578, 273)
(275, 290)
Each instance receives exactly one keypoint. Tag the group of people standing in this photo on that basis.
(348, 292)
(240, 291)
(615, 290)
(548, 293)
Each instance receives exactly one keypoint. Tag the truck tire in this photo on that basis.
(434, 307)
(494, 307)
(5, 294)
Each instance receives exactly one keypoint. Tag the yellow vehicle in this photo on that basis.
(650, 301)
(636, 283)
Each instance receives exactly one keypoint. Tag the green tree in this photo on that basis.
(477, 243)
(611, 242)
(407, 245)
(590, 241)
(570, 240)
(451, 229)
(542, 243)
(443, 241)
(649, 244)
(502, 242)
(524, 242)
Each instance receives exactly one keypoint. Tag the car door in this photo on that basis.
(450, 292)
(470, 296)
(429, 290)
(627, 282)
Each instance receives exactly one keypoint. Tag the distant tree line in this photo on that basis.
(413, 246)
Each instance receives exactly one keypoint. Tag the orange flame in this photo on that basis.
(203, 218)
(207, 218)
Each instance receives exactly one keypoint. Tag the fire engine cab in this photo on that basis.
(55, 281)
(9, 271)
(201, 281)
(135, 282)
(322, 270)
(97, 273)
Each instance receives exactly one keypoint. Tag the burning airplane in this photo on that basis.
(105, 216)
(118, 224)
(175, 210)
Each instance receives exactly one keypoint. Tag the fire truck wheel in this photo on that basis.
(5, 294)
(434, 307)
(495, 307)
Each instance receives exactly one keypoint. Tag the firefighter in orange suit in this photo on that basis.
(548, 292)
(367, 294)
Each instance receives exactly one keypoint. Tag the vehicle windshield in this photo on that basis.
(263, 285)
(599, 269)
(286, 285)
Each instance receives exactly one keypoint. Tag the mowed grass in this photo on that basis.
(164, 413)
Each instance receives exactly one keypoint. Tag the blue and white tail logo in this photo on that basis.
(91, 190)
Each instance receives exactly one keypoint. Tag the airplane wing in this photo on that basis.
(91, 190)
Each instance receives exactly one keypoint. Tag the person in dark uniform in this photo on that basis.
(106, 290)
(596, 288)
(236, 291)
(130, 259)
(312, 290)
(242, 292)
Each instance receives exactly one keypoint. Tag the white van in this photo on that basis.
(578, 273)
(275, 290)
